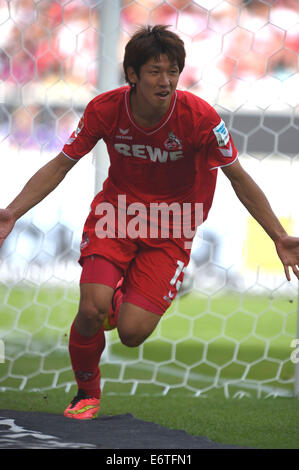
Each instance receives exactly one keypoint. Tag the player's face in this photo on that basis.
(157, 82)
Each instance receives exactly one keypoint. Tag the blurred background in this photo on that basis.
(242, 57)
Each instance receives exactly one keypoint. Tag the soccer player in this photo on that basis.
(165, 148)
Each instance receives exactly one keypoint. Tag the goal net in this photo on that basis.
(232, 326)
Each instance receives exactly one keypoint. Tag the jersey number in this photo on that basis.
(174, 281)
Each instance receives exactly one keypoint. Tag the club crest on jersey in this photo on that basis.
(221, 134)
(173, 142)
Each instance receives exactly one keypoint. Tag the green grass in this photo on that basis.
(236, 336)
(243, 341)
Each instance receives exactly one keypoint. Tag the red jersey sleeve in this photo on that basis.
(221, 150)
(211, 137)
(85, 137)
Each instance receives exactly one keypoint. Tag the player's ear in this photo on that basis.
(132, 76)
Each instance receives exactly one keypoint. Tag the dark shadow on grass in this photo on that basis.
(32, 430)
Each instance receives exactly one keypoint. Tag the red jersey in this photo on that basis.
(175, 161)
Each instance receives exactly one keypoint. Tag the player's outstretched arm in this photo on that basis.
(255, 201)
(42, 183)
(7, 222)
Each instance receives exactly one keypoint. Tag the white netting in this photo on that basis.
(232, 325)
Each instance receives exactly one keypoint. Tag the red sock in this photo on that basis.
(85, 353)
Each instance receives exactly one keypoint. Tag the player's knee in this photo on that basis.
(132, 340)
(93, 312)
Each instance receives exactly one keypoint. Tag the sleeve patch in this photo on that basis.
(221, 134)
(79, 127)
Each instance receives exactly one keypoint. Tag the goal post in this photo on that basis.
(108, 71)
(233, 323)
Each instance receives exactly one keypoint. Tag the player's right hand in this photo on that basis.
(7, 222)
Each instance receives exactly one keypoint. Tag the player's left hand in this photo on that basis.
(287, 248)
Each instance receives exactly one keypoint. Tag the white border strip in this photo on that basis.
(227, 164)
(73, 159)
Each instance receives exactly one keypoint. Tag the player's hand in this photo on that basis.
(7, 222)
(287, 249)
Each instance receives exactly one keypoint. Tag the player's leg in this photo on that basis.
(87, 338)
(95, 300)
(151, 284)
(135, 324)
(98, 281)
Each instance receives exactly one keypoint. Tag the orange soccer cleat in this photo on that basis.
(83, 407)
